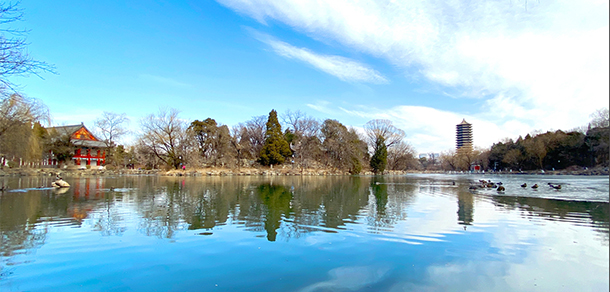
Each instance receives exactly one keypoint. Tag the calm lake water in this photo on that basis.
(398, 233)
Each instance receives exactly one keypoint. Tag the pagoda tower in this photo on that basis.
(464, 135)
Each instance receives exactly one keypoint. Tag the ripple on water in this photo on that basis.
(402, 226)
(58, 222)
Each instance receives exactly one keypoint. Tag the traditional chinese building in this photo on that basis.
(89, 150)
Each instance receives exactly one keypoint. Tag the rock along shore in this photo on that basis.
(252, 172)
(193, 172)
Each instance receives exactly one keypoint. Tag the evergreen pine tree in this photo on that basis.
(380, 157)
(276, 148)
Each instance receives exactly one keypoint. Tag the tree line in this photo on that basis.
(166, 141)
(585, 147)
(554, 150)
(303, 142)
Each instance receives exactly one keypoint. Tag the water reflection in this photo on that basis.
(280, 207)
(276, 208)
(465, 208)
(594, 214)
(17, 230)
(276, 200)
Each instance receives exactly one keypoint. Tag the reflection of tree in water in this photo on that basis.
(161, 211)
(282, 207)
(379, 201)
(210, 205)
(18, 231)
(595, 214)
(189, 204)
(465, 208)
(25, 219)
(292, 207)
(277, 202)
(106, 218)
(388, 201)
(206, 211)
(342, 200)
(323, 205)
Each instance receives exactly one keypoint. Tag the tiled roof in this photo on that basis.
(464, 122)
(66, 130)
(71, 129)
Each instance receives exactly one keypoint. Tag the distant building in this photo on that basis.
(430, 156)
(464, 135)
(89, 150)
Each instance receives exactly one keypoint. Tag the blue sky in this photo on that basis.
(507, 67)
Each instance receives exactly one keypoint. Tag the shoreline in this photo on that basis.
(596, 171)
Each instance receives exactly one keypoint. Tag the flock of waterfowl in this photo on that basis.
(551, 185)
(488, 184)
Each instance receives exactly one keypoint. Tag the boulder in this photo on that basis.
(60, 183)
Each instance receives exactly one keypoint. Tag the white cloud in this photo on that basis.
(343, 68)
(432, 130)
(539, 64)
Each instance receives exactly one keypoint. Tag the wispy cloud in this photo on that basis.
(343, 68)
(542, 63)
(323, 107)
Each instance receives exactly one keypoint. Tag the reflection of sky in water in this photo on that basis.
(427, 236)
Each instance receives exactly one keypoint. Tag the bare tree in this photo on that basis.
(143, 154)
(14, 58)
(305, 142)
(449, 160)
(238, 139)
(19, 116)
(20, 142)
(376, 129)
(300, 123)
(164, 135)
(292, 120)
(466, 156)
(513, 158)
(482, 158)
(600, 118)
(254, 135)
(111, 127)
(401, 157)
(18, 109)
(381, 136)
(536, 149)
